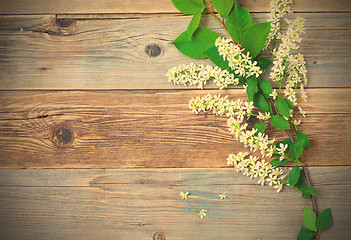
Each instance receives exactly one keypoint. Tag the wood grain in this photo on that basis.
(148, 6)
(133, 204)
(131, 129)
(110, 53)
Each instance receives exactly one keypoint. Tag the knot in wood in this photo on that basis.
(63, 136)
(153, 50)
(159, 236)
(65, 22)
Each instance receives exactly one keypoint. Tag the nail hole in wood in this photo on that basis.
(159, 236)
(64, 23)
(63, 136)
(153, 50)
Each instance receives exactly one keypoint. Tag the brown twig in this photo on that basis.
(214, 15)
(308, 182)
(208, 6)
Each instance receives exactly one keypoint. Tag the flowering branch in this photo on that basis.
(238, 63)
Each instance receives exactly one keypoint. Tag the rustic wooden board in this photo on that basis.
(130, 129)
(133, 204)
(148, 6)
(36, 53)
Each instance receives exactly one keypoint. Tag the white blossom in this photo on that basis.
(202, 213)
(296, 122)
(264, 116)
(274, 94)
(302, 112)
(223, 195)
(184, 195)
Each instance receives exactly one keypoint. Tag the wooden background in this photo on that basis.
(96, 144)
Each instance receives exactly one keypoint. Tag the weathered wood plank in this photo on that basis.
(128, 129)
(148, 6)
(133, 204)
(110, 54)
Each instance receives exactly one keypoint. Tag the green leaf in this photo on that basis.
(194, 24)
(282, 107)
(190, 7)
(324, 219)
(255, 38)
(276, 162)
(265, 95)
(301, 137)
(301, 183)
(308, 191)
(309, 219)
(294, 176)
(279, 122)
(261, 126)
(264, 63)
(260, 102)
(202, 40)
(296, 150)
(217, 59)
(223, 7)
(252, 88)
(291, 106)
(266, 86)
(305, 234)
(241, 80)
(238, 22)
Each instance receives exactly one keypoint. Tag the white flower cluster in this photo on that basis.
(250, 138)
(286, 64)
(278, 8)
(296, 76)
(288, 44)
(220, 105)
(236, 111)
(252, 167)
(198, 75)
(240, 63)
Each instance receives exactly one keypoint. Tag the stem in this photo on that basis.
(208, 6)
(317, 236)
(220, 22)
(295, 188)
(276, 44)
(308, 182)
